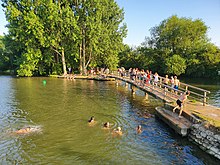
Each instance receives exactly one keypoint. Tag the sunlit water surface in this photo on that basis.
(61, 109)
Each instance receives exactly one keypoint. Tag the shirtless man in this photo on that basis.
(166, 80)
(29, 129)
(117, 131)
(138, 129)
(106, 125)
(23, 130)
(176, 84)
(180, 102)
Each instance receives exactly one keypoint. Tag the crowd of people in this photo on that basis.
(147, 77)
(143, 77)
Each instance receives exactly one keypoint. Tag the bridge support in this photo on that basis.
(146, 96)
(116, 83)
(126, 84)
(132, 89)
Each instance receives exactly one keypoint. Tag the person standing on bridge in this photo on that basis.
(176, 84)
(181, 101)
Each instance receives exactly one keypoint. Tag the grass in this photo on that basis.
(215, 123)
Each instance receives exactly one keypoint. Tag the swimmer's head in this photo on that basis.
(119, 129)
(139, 127)
(28, 128)
(92, 119)
(106, 124)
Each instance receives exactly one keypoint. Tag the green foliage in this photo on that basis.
(29, 62)
(175, 65)
(176, 46)
(63, 33)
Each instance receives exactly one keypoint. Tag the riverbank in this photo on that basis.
(204, 132)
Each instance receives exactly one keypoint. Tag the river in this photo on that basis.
(60, 109)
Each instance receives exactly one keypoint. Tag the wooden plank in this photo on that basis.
(180, 125)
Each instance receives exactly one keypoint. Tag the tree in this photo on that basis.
(175, 65)
(51, 34)
(101, 33)
(181, 39)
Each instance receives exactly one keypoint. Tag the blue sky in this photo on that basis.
(141, 15)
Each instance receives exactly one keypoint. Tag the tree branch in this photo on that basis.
(56, 51)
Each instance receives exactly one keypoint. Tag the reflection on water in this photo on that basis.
(62, 109)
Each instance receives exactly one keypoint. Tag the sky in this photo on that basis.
(141, 15)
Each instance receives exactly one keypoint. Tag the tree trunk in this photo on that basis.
(84, 53)
(80, 59)
(63, 62)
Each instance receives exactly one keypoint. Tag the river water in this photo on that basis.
(60, 109)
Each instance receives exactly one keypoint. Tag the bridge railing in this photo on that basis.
(196, 93)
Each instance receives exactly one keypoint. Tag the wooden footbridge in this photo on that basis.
(196, 108)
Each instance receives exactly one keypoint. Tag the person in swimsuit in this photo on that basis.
(106, 125)
(176, 84)
(92, 119)
(117, 131)
(180, 102)
(24, 130)
(138, 129)
(166, 80)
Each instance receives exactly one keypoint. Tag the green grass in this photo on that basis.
(215, 123)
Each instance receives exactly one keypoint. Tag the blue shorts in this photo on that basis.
(175, 87)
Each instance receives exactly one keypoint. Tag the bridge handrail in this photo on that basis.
(182, 88)
(205, 92)
(191, 86)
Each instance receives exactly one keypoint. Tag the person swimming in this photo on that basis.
(28, 129)
(23, 130)
(138, 129)
(106, 125)
(117, 131)
(92, 119)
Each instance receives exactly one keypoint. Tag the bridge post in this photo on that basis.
(165, 91)
(204, 99)
(126, 84)
(132, 89)
(160, 82)
(152, 85)
(146, 96)
(116, 83)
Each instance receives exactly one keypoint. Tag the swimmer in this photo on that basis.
(24, 130)
(92, 119)
(106, 125)
(117, 131)
(138, 129)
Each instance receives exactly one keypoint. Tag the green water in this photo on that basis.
(61, 109)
